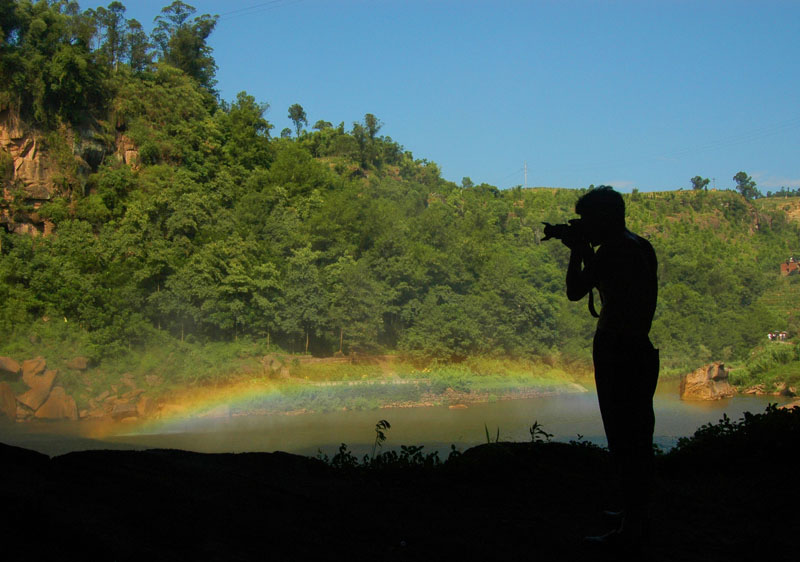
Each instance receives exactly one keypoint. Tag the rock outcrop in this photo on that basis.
(124, 410)
(8, 402)
(127, 152)
(32, 168)
(59, 406)
(40, 386)
(709, 382)
(31, 368)
(9, 367)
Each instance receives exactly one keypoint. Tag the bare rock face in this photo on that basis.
(40, 386)
(32, 168)
(709, 382)
(127, 152)
(124, 410)
(8, 403)
(31, 368)
(26, 162)
(8, 367)
(59, 406)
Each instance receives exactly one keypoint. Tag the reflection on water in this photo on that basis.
(437, 428)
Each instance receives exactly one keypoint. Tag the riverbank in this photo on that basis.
(274, 384)
(499, 501)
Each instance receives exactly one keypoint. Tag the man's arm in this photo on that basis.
(578, 277)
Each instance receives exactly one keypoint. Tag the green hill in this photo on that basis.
(143, 212)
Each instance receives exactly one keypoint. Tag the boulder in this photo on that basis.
(8, 402)
(59, 406)
(40, 386)
(146, 407)
(32, 367)
(124, 410)
(755, 389)
(23, 412)
(133, 394)
(95, 414)
(709, 382)
(8, 366)
(78, 363)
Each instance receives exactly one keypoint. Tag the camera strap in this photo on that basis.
(592, 310)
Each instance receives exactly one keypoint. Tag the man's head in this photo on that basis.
(602, 212)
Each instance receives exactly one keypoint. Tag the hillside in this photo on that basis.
(145, 219)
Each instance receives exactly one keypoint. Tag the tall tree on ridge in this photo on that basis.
(699, 184)
(298, 116)
(112, 22)
(183, 43)
(746, 186)
(137, 47)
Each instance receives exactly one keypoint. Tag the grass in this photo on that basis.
(770, 364)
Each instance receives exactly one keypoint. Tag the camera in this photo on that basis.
(562, 231)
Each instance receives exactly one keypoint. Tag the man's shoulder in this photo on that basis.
(627, 247)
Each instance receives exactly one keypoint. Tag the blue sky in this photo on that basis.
(638, 94)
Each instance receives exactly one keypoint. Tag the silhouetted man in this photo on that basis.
(623, 269)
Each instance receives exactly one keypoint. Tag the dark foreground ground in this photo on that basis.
(730, 495)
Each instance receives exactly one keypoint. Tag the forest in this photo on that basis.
(178, 219)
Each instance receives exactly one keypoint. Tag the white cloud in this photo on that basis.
(766, 181)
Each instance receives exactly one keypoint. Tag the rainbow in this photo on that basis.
(261, 398)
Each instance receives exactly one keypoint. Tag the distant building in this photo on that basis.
(790, 267)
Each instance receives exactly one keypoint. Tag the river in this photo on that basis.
(565, 416)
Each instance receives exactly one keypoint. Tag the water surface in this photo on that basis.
(565, 416)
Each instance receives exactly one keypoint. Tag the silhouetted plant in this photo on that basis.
(582, 442)
(768, 437)
(539, 435)
(488, 438)
(344, 458)
(380, 436)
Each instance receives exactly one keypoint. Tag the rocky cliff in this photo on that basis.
(33, 171)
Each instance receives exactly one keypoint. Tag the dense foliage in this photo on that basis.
(324, 240)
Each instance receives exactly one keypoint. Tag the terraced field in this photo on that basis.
(784, 301)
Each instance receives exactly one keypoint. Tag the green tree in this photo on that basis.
(298, 116)
(111, 23)
(305, 299)
(183, 43)
(699, 183)
(373, 125)
(138, 47)
(746, 186)
(246, 131)
(358, 302)
(47, 69)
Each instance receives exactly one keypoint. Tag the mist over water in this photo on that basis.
(565, 416)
